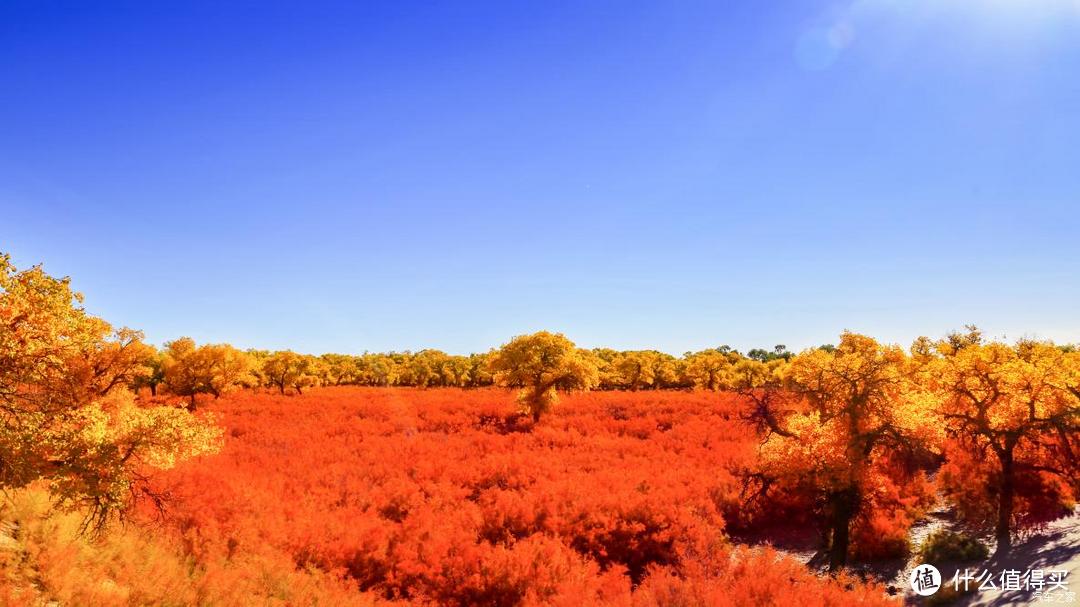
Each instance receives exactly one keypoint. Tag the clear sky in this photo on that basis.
(674, 175)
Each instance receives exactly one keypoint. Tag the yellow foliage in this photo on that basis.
(208, 369)
(540, 364)
(66, 417)
(1016, 409)
(44, 559)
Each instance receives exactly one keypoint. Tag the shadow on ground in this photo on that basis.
(1056, 548)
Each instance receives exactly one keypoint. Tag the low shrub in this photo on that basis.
(944, 546)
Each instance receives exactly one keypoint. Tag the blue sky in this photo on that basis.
(349, 177)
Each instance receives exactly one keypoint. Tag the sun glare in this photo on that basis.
(1013, 23)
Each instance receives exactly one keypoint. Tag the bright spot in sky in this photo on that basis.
(820, 45)
(1019, 13)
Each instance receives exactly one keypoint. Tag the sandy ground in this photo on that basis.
(1055, 548)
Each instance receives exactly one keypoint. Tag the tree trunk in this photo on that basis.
(281, 387)
(191, 403)
(298, 390)
(843, 505)
(153, 389)
(1005, 503)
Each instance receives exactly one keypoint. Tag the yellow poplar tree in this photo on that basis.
(189, 370)
(1017, 410)
(287, 369)
(708, 369)
(540, 364)
(860, 404)
(67, 419)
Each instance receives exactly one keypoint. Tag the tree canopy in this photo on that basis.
(858, 406)
(541, 364)
(1012, 414)
(66, 416)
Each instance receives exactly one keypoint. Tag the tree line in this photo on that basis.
(183, 368)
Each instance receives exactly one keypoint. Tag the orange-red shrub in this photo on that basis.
(972, 478)
(445, 495)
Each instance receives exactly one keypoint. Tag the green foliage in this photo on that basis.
(944, 546)
(779, 351)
